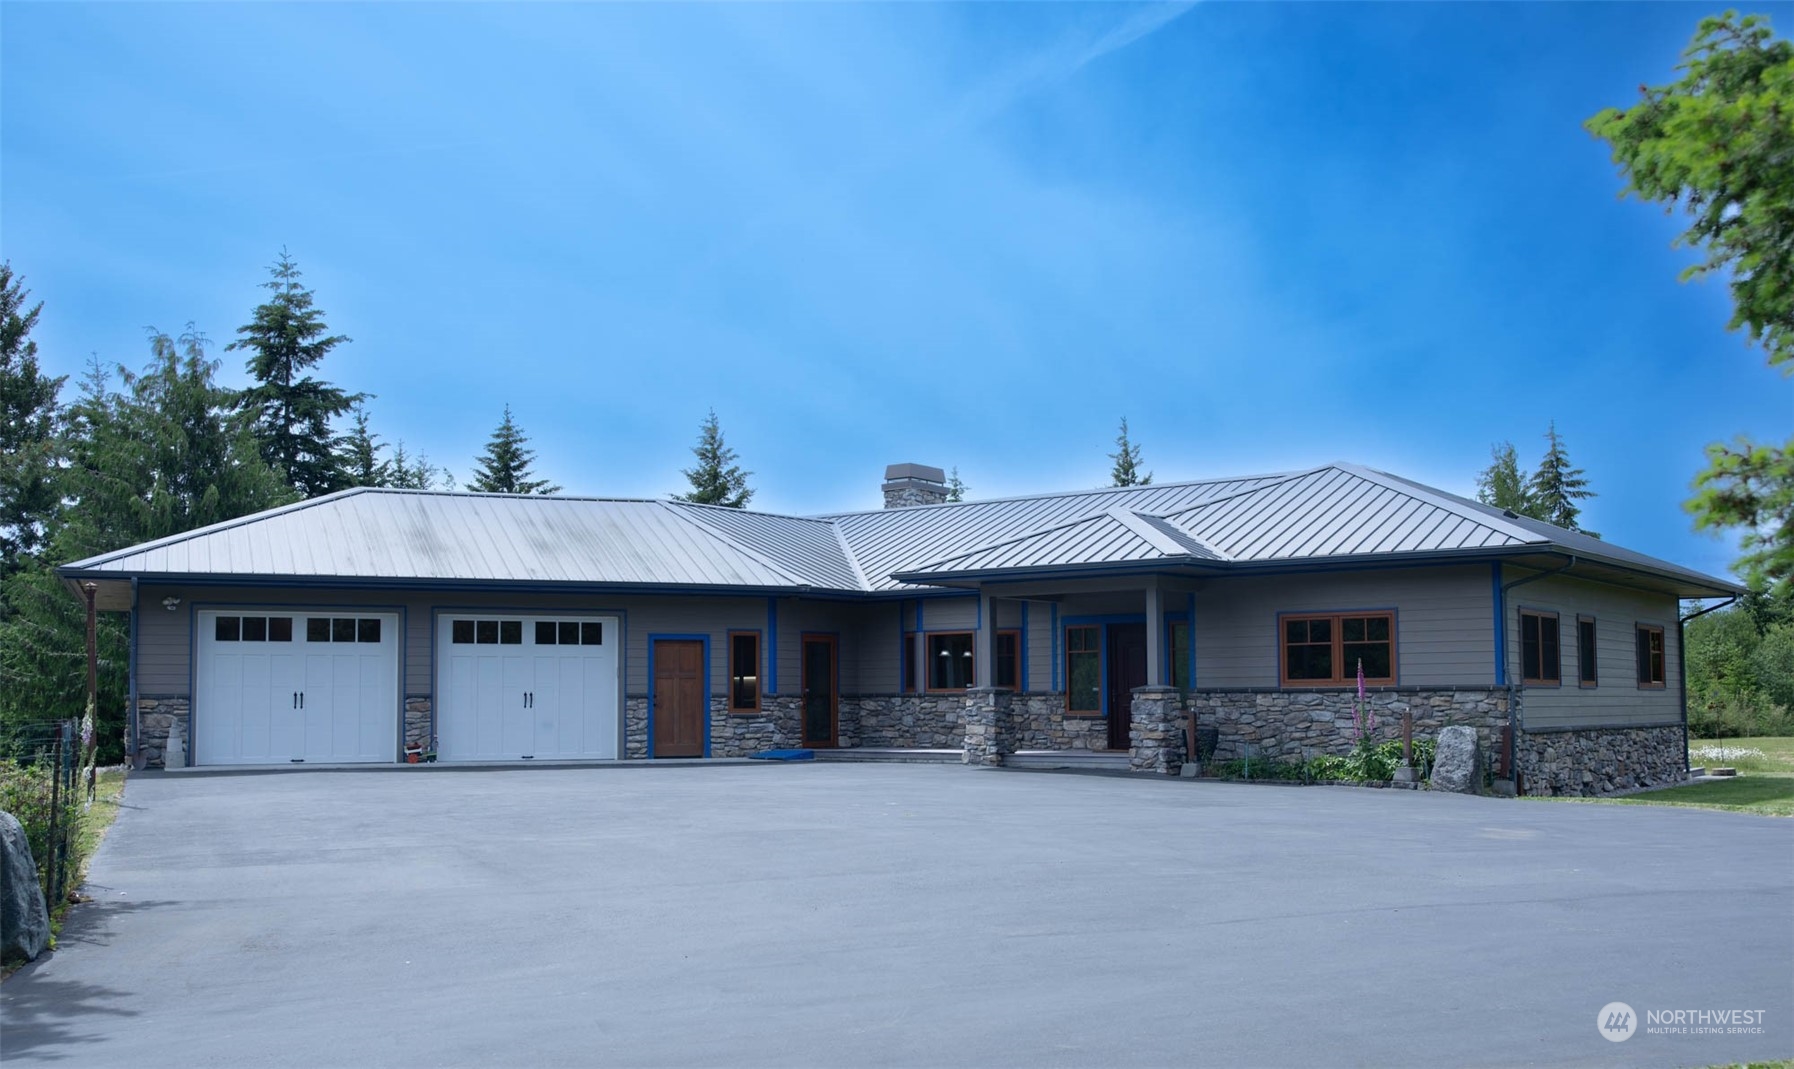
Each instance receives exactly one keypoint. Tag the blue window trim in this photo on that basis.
(654, 637)
(1500, 624)
(1192, 652)
(1022, 653)
(772, 647)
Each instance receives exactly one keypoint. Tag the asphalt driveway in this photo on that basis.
(899, 915)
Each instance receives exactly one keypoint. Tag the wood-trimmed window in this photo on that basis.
(1009, 660)
(1651, 672)
(1587, 653)
(949, 659)
(1084, 670)
(744, 671)
(1324, 649)
(1541, 659)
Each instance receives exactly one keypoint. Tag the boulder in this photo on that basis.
(24, 920)
(1458, 761)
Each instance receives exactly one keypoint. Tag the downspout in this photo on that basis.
(131, 689)
(1682, 668)
(1513, 715)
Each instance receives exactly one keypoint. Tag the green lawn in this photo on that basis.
(1765, 782)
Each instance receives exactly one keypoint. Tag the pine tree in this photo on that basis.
(28, 417)
(1126, 471)
(360, 460)
(717, 479)
(956, 489)
(1556, 486)
(504, 467)
(418, 474)
(1500, 484)
(293, 411)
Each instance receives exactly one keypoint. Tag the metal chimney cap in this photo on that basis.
(914, 471)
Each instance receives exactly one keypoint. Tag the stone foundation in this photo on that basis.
(635, 727)
(1042, 724)
(1595, 761)
(155, 718)
(774, 727)
(1295, 724)
(904, 721)
(419, 727)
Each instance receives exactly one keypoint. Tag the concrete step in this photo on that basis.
(892, 753)
(1114, 760)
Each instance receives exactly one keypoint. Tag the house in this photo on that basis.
(343, 628)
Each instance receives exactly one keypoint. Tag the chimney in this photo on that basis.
(914, 484)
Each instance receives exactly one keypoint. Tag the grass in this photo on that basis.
(1765, 783)
(91, 825)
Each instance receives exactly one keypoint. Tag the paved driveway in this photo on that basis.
(892, 915)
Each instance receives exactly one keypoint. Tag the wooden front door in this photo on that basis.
(1127, 670)
(820, 713)
(678, 698)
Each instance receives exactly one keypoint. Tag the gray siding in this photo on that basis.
(1445, 623)
(1616, 700)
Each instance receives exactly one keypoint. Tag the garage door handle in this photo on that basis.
(301, 699)
(295, 699)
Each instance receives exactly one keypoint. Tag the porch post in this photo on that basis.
(984, 661)
(1155, 635)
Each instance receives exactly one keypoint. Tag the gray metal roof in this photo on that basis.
(1334, 513)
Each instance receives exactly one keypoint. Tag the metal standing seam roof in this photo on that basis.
(1330, 512)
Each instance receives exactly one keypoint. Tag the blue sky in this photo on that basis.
(1271, 235)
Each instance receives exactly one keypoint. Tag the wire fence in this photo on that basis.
(41, 784)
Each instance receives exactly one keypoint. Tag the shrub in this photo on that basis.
(25, 792)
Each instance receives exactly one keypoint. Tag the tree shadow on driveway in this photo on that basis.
(44, 1015)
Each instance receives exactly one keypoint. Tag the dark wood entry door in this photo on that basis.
(1127, 670)
(820, 712)
(678, 698)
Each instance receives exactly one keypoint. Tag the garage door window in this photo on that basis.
(569, 633)
(487, 633)
(253, 629)
(340, 629)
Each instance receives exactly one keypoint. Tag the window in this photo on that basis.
(1540, 660)
(342, 629)
(1083, 670)
(1650, 656)
(1009, 660)
(1326, 649)
(1177, 646)
(487, 632)
(252, 629)
(744, 671)
(1586, 672)
(949, 657)
(567, 633)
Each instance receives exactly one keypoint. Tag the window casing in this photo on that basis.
(1325, 649)
(1587, 653)
(1084, 670)
(948, 660)
(1651, 671)
(1541, 658)
(744, 671)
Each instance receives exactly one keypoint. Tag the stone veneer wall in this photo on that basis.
(1595, 761)
(418, 724)
(774, 727)
(904, 721)
(1293, 724)
(155, 718)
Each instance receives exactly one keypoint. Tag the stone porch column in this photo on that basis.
(1155, 738)
(990, 727)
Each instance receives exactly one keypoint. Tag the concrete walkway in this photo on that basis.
(823, 914)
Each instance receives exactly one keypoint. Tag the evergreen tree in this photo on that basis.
(28, 416)
(1557, 486)
(717, 479)
(165, 454)
(1126, 471)
(292, 410)
(504, 468)
(407, 473)
(1500, 484)
(956, 490)
(360, 455)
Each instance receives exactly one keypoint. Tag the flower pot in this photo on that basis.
(412, 757)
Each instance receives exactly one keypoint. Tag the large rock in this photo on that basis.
(24, 922)
(1458, 761)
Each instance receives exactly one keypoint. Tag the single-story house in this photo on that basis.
(495, 627)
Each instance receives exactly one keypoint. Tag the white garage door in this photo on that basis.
(285, 685)
(514, 687)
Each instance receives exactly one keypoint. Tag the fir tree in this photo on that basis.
(956, 489)
(360, 454)
(1557, 486)
(28, 417)
(1126, 471)
(504, 467)
(407, 473)
(292, 411)
(1500, 484)
(717, 479)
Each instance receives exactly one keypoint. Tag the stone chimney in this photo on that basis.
(914, 484)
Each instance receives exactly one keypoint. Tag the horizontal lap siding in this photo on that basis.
(1444, 623)
(1616, 700)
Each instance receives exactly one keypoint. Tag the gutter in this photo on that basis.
(1513, 719)
(1682, 667)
